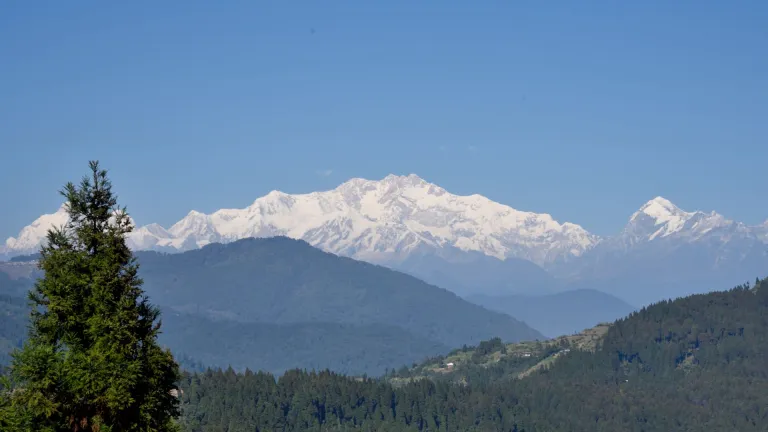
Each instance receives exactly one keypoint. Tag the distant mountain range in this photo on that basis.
(278, 303)
(475, 246)
(386, 220)
(559, 314)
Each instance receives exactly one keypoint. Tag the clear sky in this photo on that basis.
(584, 110)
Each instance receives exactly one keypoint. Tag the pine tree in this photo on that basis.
(92, 362)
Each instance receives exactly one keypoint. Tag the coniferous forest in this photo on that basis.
(692, 364)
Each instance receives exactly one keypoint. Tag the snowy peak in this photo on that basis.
(152, 236)
(381, 219)
(30, 237)
(154, 230)
(656, 218)
(660, 218)
(390, 188)
(410, 179)
(394, 216)
(399, 215)
(662, 210)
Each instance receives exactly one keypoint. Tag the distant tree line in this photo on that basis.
(694, 364)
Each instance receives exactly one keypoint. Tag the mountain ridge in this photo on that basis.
(403, 222)
(279, 303)
(373, 203)
(364, 219)
(283, 280)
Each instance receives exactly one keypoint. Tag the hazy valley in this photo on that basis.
(474, 246)
(278, 303)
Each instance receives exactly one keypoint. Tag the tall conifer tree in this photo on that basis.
(92, 361)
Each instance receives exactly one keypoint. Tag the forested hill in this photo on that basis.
(284, 281)
(275, 304)
(693, 364)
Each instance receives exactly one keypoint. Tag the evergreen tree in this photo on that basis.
(92, 362)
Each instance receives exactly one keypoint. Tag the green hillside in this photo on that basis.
(494, 360)
(277, 304)
(197, 340)
(692, 364)
(284, 281)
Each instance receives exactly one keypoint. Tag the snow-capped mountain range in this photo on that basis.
(364, 219)
(390, 220)
(394, 216)
(660, 219)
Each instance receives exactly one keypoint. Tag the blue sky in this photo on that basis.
(584, 110)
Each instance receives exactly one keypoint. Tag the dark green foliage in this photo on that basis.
(300, 401)
(489, 362)
(279, 280)
(489, 346)
(693, 364)
(91, 361)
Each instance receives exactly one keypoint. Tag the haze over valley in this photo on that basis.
(474, 246)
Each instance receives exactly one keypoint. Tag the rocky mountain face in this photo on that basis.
(470, 244)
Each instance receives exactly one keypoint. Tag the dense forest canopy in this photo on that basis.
(696, 363)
